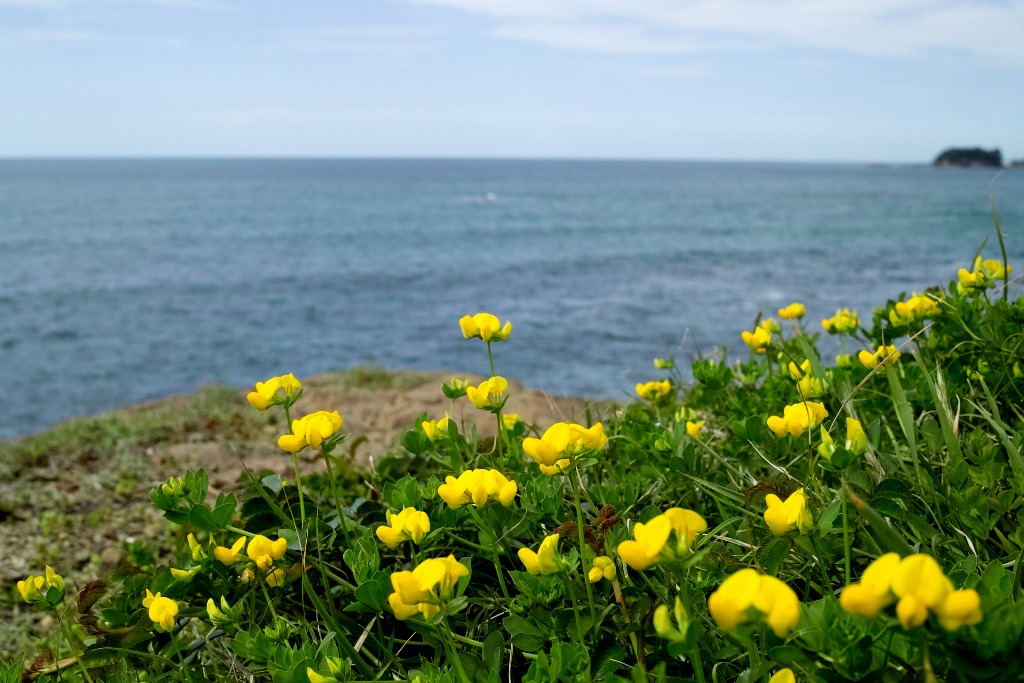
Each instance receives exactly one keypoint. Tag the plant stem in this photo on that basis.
(450, 644)
(582, 540)
(493, 549)
(846, 532)
(298, 485)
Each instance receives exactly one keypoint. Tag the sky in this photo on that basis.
(784, 80)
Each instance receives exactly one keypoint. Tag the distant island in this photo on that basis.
(969, 157)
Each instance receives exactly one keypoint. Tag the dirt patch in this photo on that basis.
(77, 496)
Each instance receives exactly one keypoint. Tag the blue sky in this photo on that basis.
(835, 80)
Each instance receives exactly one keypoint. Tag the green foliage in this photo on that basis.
(335, 577)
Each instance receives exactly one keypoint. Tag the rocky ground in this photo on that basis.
(77, 496)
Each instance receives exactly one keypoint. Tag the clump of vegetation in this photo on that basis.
(782, 517)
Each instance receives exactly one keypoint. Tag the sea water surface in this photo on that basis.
(128, 280)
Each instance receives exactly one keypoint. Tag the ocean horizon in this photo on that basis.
(126, 280)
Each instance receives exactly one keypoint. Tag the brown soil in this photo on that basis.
(81, 503)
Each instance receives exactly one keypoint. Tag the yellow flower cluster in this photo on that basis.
(408, 525)
(653, 391)
(603, 568)
(792, 515)
(797, 418)
(477, 487)
(918, 586)
(807, 385)
(886, 353)
(545, 560)
(485, 326)
(275, 391)
(563, 443)
(913, 309)
(261, 550)
(311, 430)
(489, 394)
(161, 610)
(436, 429)
(426, 588)
(983, 274)
(794, 311)
(843, 322)
(759, 339)
(856, 440)
(650, 541)
(37, 588)
(747, 594)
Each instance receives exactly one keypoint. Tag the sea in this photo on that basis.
(123, 281)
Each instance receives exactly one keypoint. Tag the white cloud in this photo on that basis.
(869, 27)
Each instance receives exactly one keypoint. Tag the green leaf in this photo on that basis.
(888, 538)
(374, 592)
(493, 651)
(201, 517)
(771, 555)
(525, 635)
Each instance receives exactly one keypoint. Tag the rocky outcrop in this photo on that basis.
(969, 157)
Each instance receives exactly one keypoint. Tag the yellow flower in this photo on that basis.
(264, 552)
(747, 593)
(489, 394)
(653, 391)
(960, 608)
(435, 429)
(426, 587)
(663, 625)
(685, 413)
(799, 371)
(36, 588)
(811, 387)
(758, 340)
(856, 439)
(693, 428)
(797, 418)
(510, 420)
(276, 577)
(686, 524)
(770, 325)
(984, 273)
(545, 560)
(275, 391)
(920, 585)
(485, 326)
(161, 610)
(408, 525)
(844, 321)
(884, 354)
(230, 555)
(791, 515)
(478, 487)
(783, 676)
(564, 441)
(794, 311)
(198, 553)
(311, 430)
(913, 309)
(650, 540)
(219, 616)
(664, 363)
(603, 568)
